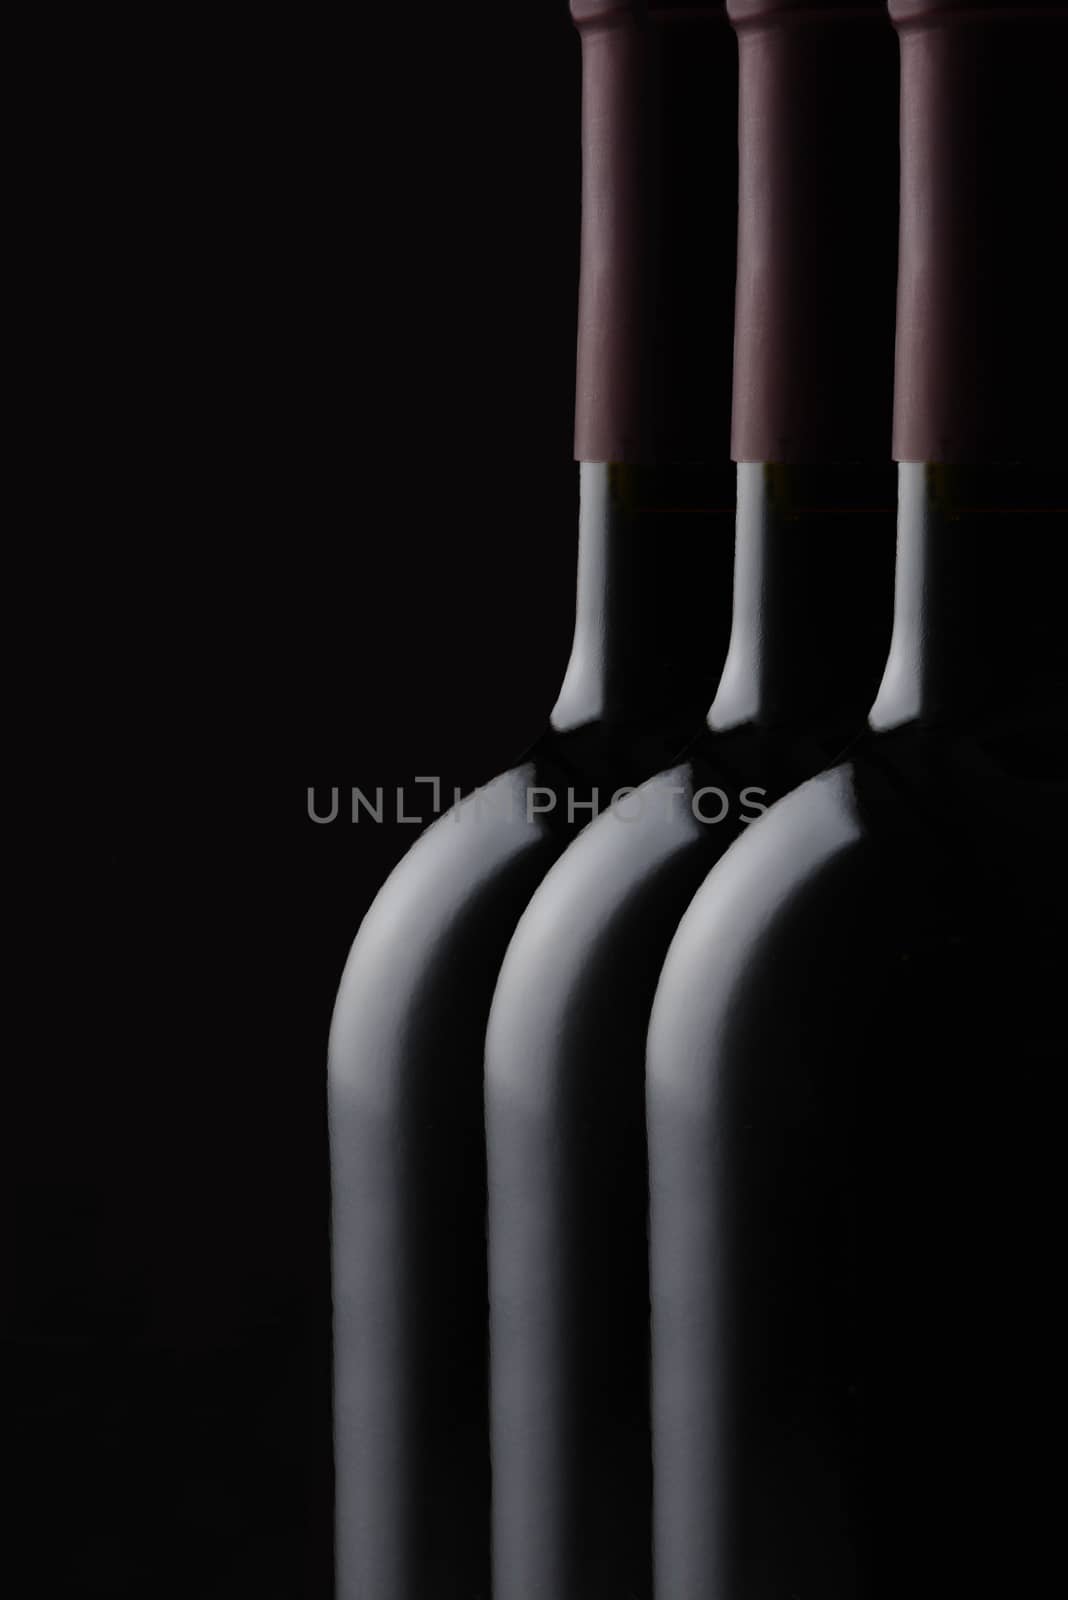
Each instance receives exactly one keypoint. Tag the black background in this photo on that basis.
(306, 517)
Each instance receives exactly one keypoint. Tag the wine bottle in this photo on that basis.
(856, 1203)
(813, 585)
(655, 550)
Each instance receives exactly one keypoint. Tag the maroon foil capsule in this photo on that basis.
(983, 266)
(659, 92)
(814, 235)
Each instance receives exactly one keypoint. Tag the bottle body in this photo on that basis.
(852, 1025)
(565, 1097)
(406, 1049)
(852, 1185)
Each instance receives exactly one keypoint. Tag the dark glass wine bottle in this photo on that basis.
(655, 552)
(813, 586)
(856, 1194)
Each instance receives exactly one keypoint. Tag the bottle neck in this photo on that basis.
(979, 629)
(812, 585)
(653, 602)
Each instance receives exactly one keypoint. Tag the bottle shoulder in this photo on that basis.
(790, 862)
(988, 803)
(440, 921)
(586, 948)
(881, 888)
(616, 856)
